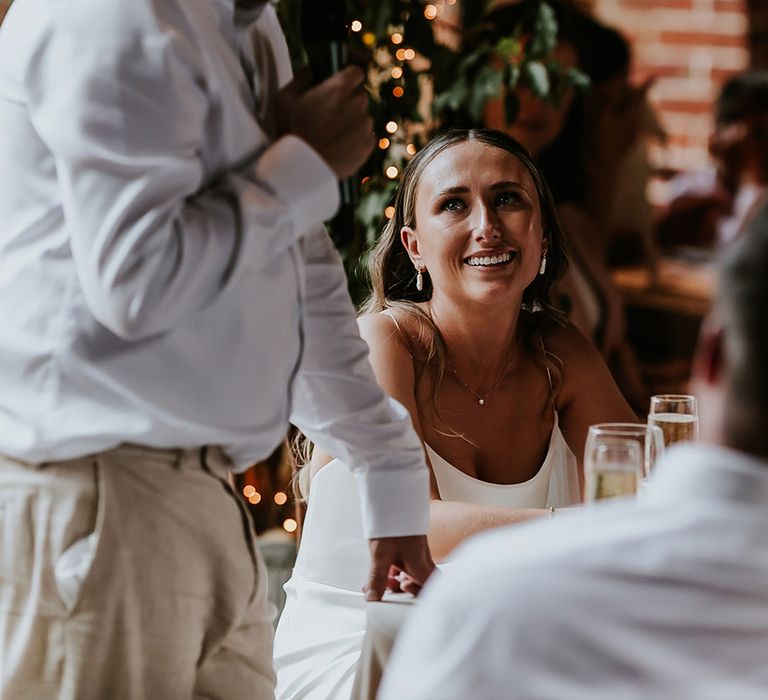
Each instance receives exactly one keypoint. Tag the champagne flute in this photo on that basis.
(650, 438)
(677, 415)
(613, 466)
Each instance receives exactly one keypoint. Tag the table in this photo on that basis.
(664, 315)
(681, 286)
(383, 621)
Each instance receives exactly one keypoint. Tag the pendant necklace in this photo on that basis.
(480, 397)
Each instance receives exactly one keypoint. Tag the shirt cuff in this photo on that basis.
(395, 503)
(301, 179)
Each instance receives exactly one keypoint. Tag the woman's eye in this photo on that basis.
(452, 205)
(505, 199)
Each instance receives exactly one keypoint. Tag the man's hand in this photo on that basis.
(332, 117)
(406, 554)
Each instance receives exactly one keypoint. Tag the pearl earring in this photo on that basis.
(543, 266)
(419, 279)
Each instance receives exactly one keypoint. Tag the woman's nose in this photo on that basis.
(485, 224)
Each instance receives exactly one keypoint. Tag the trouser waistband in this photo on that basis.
(208, 457)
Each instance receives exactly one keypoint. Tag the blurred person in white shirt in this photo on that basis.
(659, 598)
(169, 300)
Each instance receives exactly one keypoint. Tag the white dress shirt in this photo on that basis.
(663, 599)
(164, 278)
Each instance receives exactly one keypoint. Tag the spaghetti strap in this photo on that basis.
(549, 373)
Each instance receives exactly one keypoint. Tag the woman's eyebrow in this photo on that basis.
(453, 190)
(505, 184)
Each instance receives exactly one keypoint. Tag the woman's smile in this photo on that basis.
(491, 259)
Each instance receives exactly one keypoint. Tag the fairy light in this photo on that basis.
(391, 127)
(369, 38)
(430, 11)
(410, 54)
(356, 25)
(280, 498)
(255, 498)
(397, 91)
(391, 172)
(397, 72)
(389, 212)
(410, 149)
(397, 38)
(290, 525)
(400, 54)
(249, 490)
(384, 144)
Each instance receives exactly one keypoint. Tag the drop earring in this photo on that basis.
(543, 266)
(419, 279)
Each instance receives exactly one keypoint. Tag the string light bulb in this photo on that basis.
(410, 54)
(249, 490)
(430, 11)
(356, 25)
(384, 144)
(391, 172)
(400, 54)
(369, 38)
(397, 38)
(397, 91)
(290, 525)
(410, 149)
(389, 212)
(391, 127)
(255, 499)
(397, 72)
(280, 498)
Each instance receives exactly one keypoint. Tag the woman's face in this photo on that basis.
(538, 123)
(478, 229)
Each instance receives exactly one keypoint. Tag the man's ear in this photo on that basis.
(709, 358)
(411, 243)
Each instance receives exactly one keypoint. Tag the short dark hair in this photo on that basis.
(743, 304)
(742, 95)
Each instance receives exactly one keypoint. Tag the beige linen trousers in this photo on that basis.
(130, 575)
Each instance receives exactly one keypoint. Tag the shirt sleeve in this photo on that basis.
(157, 230)
(339, 406)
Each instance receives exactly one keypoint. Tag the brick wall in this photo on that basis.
(691, 46)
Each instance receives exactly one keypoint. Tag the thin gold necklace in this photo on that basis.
(480, 397)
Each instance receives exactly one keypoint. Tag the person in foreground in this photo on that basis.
(169, 299)
(660, 598)
(462, 332)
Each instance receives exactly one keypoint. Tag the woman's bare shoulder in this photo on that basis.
(568, 343)
(391, 326)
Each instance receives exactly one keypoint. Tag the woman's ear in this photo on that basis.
(411, 243)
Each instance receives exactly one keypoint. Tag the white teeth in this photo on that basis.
(490, 260)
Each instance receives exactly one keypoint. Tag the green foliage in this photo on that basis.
(460, 81)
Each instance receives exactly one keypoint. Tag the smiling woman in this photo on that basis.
(463, 334)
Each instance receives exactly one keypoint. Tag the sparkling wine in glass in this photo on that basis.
(649, 438)
(677, 416)
(613, 466)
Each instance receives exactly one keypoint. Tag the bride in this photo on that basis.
(462, 332)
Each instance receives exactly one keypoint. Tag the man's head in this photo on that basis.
(739, 142)
(731, 368)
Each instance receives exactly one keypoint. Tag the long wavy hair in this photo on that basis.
(392, 275)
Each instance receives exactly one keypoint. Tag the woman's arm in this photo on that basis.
(587, 394)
